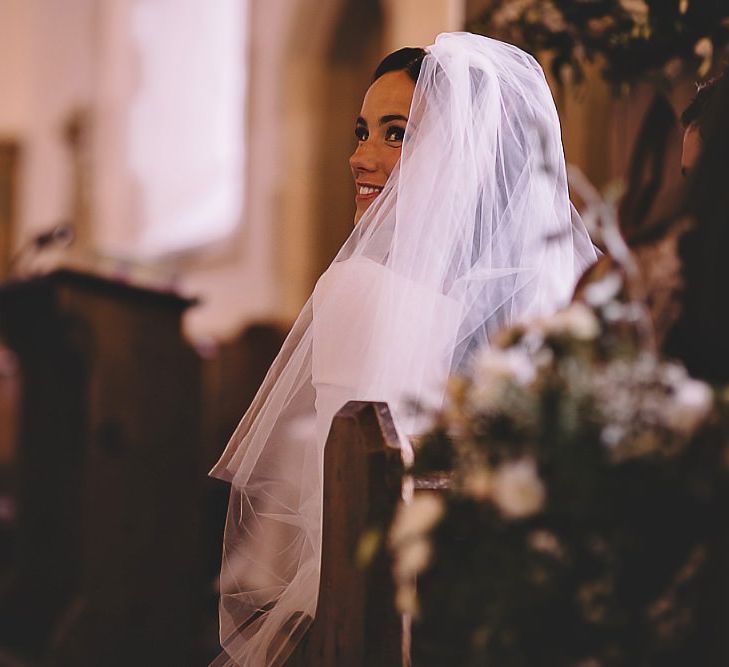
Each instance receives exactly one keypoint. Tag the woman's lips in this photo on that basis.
(367, 191)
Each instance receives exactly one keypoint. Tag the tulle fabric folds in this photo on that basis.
(473, 231)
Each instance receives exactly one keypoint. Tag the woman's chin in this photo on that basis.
(359, 212)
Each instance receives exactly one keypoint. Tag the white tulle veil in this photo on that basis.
(473, 231)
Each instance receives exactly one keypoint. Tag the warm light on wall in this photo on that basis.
(185, 132)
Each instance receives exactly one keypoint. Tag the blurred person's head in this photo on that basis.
(693, 120)
(380, 127)
(700, 337)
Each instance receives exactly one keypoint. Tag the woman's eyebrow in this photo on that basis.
(390, 118)
(360, 121)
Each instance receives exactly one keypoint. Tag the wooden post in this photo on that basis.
(9, 410)
(9, 154)
(356, 622)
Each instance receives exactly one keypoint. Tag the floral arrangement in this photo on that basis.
(634, 39)
(586, 483)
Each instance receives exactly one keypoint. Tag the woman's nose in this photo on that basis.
(363, 158)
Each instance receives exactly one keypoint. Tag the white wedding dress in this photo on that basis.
(368, 364)
(473, 231)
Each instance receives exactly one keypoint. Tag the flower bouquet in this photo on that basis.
(632, 38)
(588, 491)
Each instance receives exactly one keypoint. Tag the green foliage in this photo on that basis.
(589, 494)
(634, 39)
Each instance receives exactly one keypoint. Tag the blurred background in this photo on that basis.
(173, 180)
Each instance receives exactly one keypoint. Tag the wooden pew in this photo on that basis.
(104, 566)
(356, 623)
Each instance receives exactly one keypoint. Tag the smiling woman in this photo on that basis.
(380, 127)
(464, 226)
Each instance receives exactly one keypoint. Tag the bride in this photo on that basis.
(463, 226)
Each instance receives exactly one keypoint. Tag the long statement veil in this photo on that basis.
(473, 231)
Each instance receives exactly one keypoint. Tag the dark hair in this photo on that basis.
(700, 336)
(408, 59)
(695, 112)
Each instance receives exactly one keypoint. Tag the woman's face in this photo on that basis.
(380, 129)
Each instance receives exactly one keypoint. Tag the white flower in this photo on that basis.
(510, 12)
(493, 370)
(552, 18)
(545, 542)
(496, 364)
(598, 26)
(417, 517)
(484, 396)
(704, 49)
(518, 492)
(412, 548)
(692, 402)
(637, 9)
(478, 484)
(612, 434)
(412, 557)
(604, 290)
(577, 321)
(673, 373)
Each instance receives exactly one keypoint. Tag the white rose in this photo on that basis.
(704, 49)
(691, 404)
(497, 365)
(552, 18)
(603, 291)
(493, 369)
(412, 557)
(518, 492)
(637, 9)
(510, 12)
(545, 542)
(416, 517)
(484, 396)
(577, 321)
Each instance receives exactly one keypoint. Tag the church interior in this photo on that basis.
(174, 179)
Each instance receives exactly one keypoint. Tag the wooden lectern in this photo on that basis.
(107, 479)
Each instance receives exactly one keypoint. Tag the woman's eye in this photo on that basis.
(361, 133)
(395, 133)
